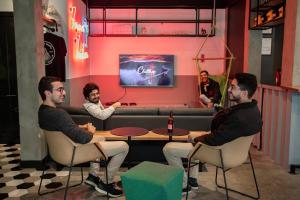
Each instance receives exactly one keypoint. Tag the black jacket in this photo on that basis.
(212, 91)
(237, 121)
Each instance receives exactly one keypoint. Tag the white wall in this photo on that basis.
(6, 6)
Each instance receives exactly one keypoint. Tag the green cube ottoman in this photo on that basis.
(152, 181)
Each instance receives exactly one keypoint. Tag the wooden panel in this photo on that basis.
(276, 114)
(289, 42)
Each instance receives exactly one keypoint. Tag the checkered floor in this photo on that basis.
(17, 182)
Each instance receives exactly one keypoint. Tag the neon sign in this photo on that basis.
(80, 29)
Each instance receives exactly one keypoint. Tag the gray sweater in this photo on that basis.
(56, 119)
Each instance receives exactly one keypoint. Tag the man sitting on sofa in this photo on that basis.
(242, 119)
(52, 118)
(93, 104)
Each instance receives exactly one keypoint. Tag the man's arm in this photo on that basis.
(97, 112)
(229, 130)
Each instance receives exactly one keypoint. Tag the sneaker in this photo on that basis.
(186, 190)
(193, 183)
(92, 180)
(108, 188)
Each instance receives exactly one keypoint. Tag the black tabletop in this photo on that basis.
(176, 131)
(129, 131)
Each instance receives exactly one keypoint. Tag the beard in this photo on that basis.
(94, 100)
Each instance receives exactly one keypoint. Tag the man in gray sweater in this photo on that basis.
(52, 118)
(93, 104)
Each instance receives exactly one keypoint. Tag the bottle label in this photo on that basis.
(170, 126)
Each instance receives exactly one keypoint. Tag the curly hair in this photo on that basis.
(88, 88)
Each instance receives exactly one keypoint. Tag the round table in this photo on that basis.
(175, 132)
(129, 132)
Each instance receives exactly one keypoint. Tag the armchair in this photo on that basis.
(225, 157)
(68, 153)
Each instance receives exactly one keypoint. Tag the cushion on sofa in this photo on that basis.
(136, 111)
(187, 111)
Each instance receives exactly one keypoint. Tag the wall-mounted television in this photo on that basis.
(146, 70)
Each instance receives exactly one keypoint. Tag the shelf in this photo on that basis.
(137, 22)
(266, 10)
(268, 5)
(153, 35)
(147, 21)
(266, 25)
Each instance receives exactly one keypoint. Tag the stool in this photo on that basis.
(152, 181)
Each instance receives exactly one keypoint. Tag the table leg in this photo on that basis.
(129, 151)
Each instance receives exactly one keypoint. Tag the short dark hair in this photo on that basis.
(45, 84)
(204, 71)
(88, 88)
(247, 82)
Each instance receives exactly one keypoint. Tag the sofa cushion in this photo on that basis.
(136, 111)
(187, 111)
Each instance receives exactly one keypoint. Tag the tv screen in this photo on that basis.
(138, 70)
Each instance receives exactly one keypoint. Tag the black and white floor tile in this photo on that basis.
(274, 182)
(17, 182)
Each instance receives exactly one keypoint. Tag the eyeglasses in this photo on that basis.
(60, 89)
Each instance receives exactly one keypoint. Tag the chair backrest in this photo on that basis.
(61, 147)
(234, 153)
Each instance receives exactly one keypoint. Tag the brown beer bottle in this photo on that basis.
(170, 123)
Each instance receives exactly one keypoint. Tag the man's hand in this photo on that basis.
(91, 128)
(84, 126)
(116, 105)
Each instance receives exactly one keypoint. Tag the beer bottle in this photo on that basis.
(170, 123)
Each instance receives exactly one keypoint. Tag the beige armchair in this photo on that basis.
(225, 157)
(68, 153)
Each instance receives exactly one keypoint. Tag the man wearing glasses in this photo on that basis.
(242, 119)
(52, 118)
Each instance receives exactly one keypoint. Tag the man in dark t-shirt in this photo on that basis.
(52, 118)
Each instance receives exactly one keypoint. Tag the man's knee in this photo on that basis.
(167, 148)
(125, 146)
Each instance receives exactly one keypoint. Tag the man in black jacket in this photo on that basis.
(52, 118)
(242, 119)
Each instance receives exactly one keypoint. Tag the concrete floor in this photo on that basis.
(274, 182)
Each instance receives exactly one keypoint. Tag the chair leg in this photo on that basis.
(70, 170)
(241, 193)
(188, 176)
(106, 177)
(67, 187)
(253, 172)
(224, 175)
(42, 177)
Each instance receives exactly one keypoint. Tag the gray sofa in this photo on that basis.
(187, 118)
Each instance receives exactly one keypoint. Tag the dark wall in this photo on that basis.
(235, 34)
(9, 118)
(270, 63)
